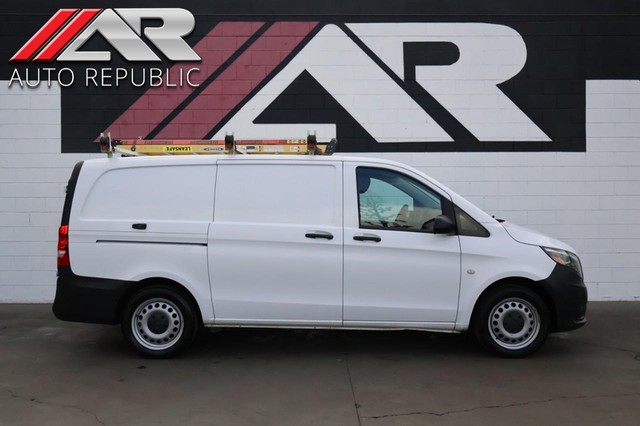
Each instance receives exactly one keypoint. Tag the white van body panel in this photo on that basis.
(489, 260)
(528, 236)
(264, 269)
(184, 264)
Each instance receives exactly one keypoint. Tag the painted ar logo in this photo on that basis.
(67, 30)
(489, 54)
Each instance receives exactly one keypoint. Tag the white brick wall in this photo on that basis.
(33, 175)
(591, 200)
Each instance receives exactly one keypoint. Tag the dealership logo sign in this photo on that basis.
(61, 38)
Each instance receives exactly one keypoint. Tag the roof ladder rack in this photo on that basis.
(230, 146)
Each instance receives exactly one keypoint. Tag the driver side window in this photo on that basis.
(393, 201)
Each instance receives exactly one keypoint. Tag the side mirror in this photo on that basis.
(443, 225)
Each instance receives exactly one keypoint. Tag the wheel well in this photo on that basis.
(525, 282)
(150, 282)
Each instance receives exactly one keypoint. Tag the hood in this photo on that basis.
(529, 236)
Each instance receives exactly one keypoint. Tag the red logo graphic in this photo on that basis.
(76, 22)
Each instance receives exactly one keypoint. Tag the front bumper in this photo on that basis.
(569, 297)
(87, 299)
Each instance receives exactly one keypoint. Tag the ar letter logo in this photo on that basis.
(61, 37)
(489, 54)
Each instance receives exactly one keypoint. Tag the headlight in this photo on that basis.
(564, 258)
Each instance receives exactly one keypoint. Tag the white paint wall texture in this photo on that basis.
(590, 200)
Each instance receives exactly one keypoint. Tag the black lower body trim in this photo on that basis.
(569, 296)
(87, 299)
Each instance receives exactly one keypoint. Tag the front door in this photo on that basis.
(396, 270)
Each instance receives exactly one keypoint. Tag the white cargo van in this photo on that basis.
(165, 245)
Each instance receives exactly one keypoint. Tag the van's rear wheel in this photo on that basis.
(512, 321)
(158, 322)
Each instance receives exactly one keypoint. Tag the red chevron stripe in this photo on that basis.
(67, 34)
(150, 109)
(43, 35)
(233, 85)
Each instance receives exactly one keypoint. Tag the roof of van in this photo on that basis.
(213, 159)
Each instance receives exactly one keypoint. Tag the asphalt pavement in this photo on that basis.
(60, 373)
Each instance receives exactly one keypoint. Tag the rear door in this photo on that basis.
(275, 246)
(397, 272)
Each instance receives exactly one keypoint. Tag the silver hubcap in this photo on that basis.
(514, 323)
(157, 324)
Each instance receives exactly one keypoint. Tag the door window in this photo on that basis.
(391, 200)
(468, 226)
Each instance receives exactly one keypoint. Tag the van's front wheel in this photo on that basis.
(512, 321)
(158, 322)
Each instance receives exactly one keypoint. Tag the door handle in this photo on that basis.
(141, 226)
(319, 234)
(367, 237)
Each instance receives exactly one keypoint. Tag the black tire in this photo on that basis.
(511, 321)
(158, 322)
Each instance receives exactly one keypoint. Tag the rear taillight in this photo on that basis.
(63, 246)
